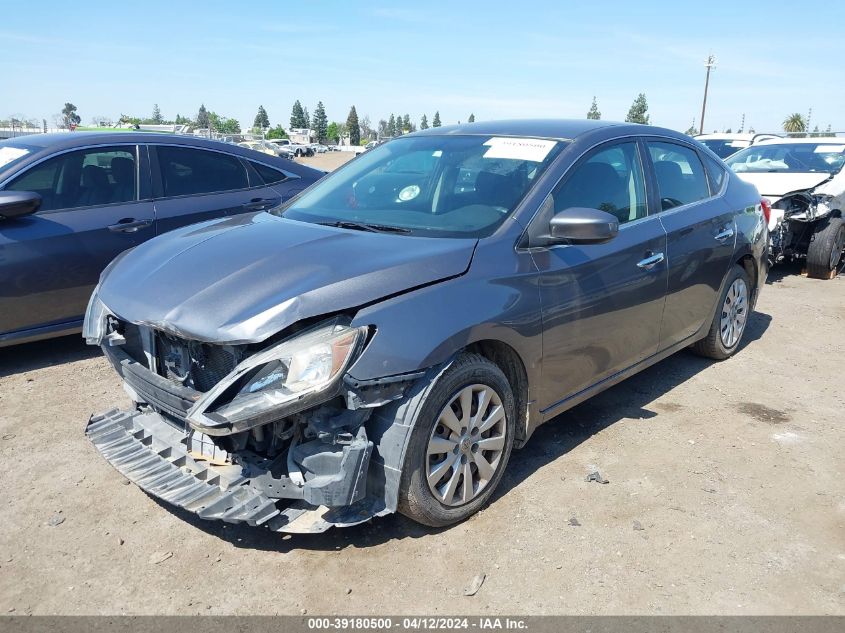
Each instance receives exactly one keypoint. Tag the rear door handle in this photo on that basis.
(259, 204)
(129, 225)
(725, 234)
(651, 261)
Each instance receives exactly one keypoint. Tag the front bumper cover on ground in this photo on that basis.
(152, 453)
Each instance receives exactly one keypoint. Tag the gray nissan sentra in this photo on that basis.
(382, 341)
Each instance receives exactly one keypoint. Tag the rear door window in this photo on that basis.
(188, 171)
(680, 174)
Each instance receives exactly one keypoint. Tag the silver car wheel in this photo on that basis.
(466, 445)
(734, 313)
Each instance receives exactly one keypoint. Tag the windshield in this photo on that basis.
(442, 186)
(723, 147)
(11, 154)
(789, 158)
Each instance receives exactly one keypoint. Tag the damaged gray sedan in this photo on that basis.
(383, 341)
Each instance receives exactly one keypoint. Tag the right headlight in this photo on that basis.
(292, 375)
(94, 326)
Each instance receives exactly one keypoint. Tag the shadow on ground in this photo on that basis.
(18, 359)
(629, 399)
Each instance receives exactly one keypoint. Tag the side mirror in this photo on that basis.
(580, 225)
(14, 204)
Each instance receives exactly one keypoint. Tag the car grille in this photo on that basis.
(194, 364)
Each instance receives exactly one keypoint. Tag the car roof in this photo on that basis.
(67, 140)
(735, 136)
(833, 140)
(558, 129)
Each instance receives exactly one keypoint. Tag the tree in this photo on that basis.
(262, 121)
(202, 117)
(354, 128)
(156, 117)
(277, 132)
(692, 130)
(333, 131)
(223, 124)
(794, 124)
(69, 116)
(637, 113)
(382, 131)
(366, 128)
(424, 123)
(594, 113)
(321, 123)
(435, 122)
(307, 118)
(391, 126)
(407, 126)
(471, 118)
(297, 116)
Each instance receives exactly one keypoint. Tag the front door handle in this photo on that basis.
(651, 261)
(129, 225)
(725, 234)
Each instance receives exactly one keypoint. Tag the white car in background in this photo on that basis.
(804, 182)
(725, 144)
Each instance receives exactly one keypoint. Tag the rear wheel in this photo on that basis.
(731, 317)
(460, 444)
(825, 250)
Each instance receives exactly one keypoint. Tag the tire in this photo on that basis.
(417, 499)
(825, 250)
(720, 342)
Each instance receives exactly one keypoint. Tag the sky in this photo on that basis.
(536, 59)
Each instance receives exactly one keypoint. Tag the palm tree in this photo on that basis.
(794, 124)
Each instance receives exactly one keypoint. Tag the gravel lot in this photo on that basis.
(726, 495)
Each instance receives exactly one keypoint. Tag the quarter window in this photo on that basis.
(680, 174)
(610, 180)
(187, 171)
(715, 174)
(268, 174)
(85, 178)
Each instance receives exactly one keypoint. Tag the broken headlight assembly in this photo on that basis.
(95, 326)
(290, 376)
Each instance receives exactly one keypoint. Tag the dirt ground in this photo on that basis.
(726, 495)
(328, 161)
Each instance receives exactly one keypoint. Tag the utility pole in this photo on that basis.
(710, 63)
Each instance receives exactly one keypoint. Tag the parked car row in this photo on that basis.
(384, 340)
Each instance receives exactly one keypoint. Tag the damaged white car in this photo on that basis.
(804, 182)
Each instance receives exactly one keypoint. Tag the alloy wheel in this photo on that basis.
(466, 445)
(734, 313)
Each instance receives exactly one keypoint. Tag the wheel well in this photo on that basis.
(506, 358)
(750, 266)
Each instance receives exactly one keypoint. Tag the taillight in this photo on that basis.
(767, 208)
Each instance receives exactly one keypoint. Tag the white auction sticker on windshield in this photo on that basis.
(8, 154)
(829, 149)
(532, 149)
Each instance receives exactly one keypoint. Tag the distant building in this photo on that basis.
(302, 136)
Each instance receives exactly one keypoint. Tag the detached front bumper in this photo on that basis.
(175, 466)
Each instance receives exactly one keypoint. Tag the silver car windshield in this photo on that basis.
(789, 158)
(442, 186)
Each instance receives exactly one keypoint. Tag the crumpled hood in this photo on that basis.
(774, 185)
(244, 278)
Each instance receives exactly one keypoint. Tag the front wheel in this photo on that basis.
(731, 317)
(460, 444)
(825, 250)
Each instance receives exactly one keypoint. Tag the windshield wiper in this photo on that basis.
(365, 226)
